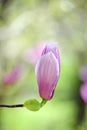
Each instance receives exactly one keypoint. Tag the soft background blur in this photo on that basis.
(25, 25)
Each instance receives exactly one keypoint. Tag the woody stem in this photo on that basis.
(12, 106)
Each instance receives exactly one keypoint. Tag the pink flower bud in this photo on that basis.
(83, 92)
(48, 71)
(13, 76)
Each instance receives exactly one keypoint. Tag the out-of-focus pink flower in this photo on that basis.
(83, 73)
(83, 92)
(48, 71)
(13, 76)
(32, 54)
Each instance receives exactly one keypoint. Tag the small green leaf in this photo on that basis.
(32, 105)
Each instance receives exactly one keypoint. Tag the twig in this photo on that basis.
(12, 106)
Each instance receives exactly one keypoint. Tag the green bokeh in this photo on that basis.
(25, 24)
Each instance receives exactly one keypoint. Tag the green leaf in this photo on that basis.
(32, 105)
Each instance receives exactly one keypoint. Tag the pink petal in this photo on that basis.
(47, 72)
(52, 47)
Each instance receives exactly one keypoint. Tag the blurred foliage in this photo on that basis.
(25, 23)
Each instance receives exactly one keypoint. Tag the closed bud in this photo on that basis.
(48, 71)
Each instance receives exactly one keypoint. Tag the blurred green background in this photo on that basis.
(25, 24)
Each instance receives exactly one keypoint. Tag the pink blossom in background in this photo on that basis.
(13, 76)
(83, 92)
(83, 73)
(32, 54)
(48, 71)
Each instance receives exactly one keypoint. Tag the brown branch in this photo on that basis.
(12, 106)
